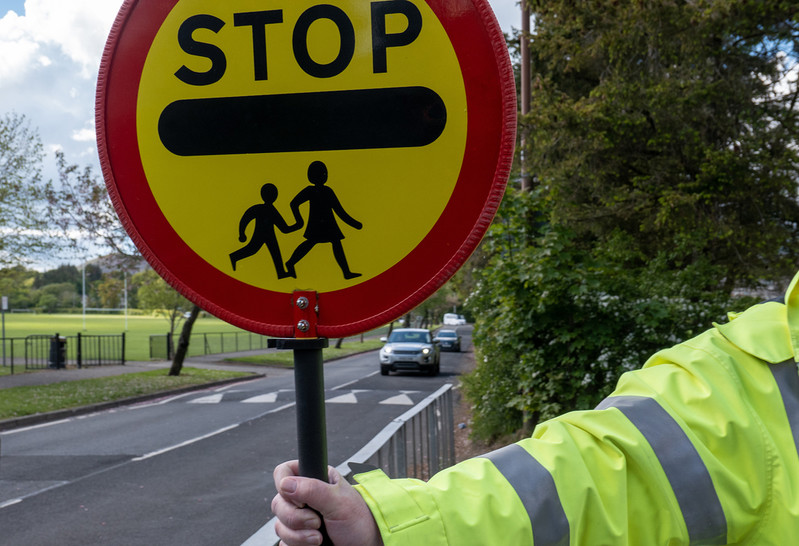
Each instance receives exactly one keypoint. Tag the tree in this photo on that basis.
(433, 308)
(663, 137)
(156, 295)
(80, 209)
(16, 283)
(20, 185)
(558, 325)
(62, 273)
(80, 204)
(56, 296)
(110, 290)
(670, 129)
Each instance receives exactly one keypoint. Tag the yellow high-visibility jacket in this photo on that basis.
(698, 447)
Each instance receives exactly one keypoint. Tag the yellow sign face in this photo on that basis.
(290, 144)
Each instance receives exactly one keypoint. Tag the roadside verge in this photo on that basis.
(46, 417)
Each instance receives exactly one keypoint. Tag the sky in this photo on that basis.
(50, 54)
(49, 58)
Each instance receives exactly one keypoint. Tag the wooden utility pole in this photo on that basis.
(524, 45)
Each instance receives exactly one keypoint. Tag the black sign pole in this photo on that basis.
(309, 388)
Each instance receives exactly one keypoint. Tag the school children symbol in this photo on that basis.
(322, 225)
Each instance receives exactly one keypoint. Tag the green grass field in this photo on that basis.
(137, 328)
(21, 401)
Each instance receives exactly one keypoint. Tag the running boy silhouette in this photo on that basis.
(322, 227)
(266, 218)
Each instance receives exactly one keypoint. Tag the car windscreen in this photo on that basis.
(409, 337)
(447, 334)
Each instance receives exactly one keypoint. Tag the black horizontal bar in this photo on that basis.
(398, 117)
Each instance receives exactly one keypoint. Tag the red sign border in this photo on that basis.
(491, 134)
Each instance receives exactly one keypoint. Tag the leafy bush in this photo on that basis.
(560, 320)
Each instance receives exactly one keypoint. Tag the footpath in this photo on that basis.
(49, 377)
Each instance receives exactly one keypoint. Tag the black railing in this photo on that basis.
(96, 350)
(39, 352)
(210, 343)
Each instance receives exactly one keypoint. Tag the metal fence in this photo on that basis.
(38, 352)
(417, 444)
(162, 346)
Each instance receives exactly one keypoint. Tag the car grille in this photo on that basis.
(405, 352)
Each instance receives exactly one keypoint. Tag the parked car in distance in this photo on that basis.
(410, 349)
(451, 319)
(448, 340)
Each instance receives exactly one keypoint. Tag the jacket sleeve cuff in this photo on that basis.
(404, 510)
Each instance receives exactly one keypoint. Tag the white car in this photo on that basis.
(410, 349)
(451, 319)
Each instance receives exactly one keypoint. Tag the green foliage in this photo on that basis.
(56, 296)
(559, 321)
(15, 284)
(673, 124)
(20, 186)
(62, 273)
(663, 138)
(156, 295)
(110, 291)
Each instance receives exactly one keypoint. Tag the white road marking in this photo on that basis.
(399, 400)
(210, 399)
(184, 444)
(343, 399)
(269, 398)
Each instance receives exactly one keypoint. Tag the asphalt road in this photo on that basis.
(189, 469)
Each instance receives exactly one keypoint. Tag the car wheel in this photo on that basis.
(384, 370)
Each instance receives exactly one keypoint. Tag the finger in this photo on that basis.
(283, 470)
(294, 517)
(301, 491)
(291, 537)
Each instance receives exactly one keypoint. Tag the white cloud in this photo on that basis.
(83, 135)
(79, 29)
(49, 59)
(17, 48)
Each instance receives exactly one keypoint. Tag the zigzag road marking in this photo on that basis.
(401, 399)
(343, 399)
(210, 399)
(269, 398)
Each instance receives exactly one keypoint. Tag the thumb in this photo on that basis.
(308, 492)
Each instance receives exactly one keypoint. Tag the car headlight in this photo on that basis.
(387, 350)
(426, 351)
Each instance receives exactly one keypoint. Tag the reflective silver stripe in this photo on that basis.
(787, 377)
(687, 474)
(535, 487)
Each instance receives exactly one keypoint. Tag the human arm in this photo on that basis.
(301, 198)
(677, 455)
(248, 216)
(340, 212)
(282, 225)
(347, 518)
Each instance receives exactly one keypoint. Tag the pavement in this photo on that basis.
(52, 376)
